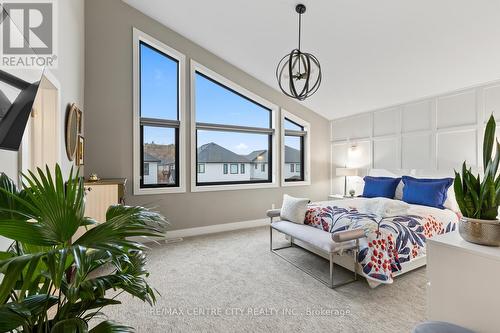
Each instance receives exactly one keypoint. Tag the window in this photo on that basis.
(158, 116)
(201, 168)
(263, 167)
(295, 155)
(233, 128)
(234, 169)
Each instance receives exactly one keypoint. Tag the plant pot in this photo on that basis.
(483, 232)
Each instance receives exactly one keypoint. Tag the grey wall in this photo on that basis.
(108, 120)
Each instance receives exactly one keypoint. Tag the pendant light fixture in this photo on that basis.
(299, 73)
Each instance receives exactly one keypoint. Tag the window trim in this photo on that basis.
(138, 37)
(197, 67)
(306, 146)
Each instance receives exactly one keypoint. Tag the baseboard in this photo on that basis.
(212, 229)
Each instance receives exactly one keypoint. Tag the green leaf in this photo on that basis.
(10, 320)
(72, 325)
(471, 193)
(489, 137)
(459, 194)
(122, 223)
(12, 268)
(26, 232)
(111, 327)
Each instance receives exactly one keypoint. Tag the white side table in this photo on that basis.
(333, 197)
(463, 283)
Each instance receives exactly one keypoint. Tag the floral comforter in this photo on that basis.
(393, 236)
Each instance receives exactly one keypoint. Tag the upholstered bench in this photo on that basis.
(322, 241)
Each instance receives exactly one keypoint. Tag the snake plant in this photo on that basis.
(479, 199)
(54, 283)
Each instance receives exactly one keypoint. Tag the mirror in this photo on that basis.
(71, 131)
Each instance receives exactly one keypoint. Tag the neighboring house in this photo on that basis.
(218, 164)
(150, 169)
(259, 168)
(292, 163)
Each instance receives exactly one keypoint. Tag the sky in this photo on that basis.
(214, 104)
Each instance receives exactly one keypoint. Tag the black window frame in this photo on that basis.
(301, 134)
(236, 129)
(154, 122)
(242, 168)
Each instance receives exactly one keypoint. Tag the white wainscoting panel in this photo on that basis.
(387, 122)
(433, 133)
(386, 153)
(417, 116)
(457, 110)
(417, 151)
(455, 147)
(359, 154)
(491, 102)
(356, 127)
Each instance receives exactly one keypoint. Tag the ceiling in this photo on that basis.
(373, 53)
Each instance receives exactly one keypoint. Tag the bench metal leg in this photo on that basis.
(329, 283)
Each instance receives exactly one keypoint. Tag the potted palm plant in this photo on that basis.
(479, 199)
(53, 283)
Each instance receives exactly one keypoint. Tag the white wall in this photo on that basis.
(70, 71)
(214, 172)
(152, 177)
(288, 173)
(70, 74)
(258, 173)
(433, 134)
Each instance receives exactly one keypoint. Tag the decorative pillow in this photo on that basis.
(294, 209)
(376, 187)
(426, 192)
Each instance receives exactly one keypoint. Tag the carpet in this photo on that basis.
(231, 282)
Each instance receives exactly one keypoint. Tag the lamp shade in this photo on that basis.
(346, 172)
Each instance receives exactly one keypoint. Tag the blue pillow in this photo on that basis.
(380, 187)
(426, 192)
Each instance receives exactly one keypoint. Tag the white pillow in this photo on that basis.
(294, 209)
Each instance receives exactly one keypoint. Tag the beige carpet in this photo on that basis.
(231, 282)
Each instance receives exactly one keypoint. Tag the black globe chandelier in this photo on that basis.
(299, 73)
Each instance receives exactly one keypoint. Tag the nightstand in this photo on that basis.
(332, 197)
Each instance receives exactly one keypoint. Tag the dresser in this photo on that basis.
(463, 283)
(101, 194)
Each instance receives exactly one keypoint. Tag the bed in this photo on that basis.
(395, 232)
